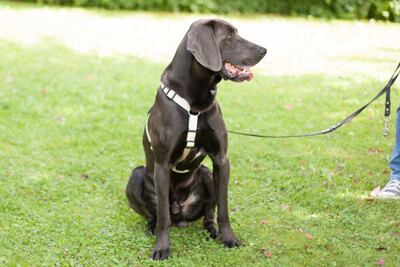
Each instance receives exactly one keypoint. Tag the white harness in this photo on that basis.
(192, 124)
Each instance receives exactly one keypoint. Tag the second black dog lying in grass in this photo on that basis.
(184, 126)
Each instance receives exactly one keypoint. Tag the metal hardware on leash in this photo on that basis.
(385, 128)
(330, 137)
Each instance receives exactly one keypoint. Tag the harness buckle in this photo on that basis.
(386, 128)
(192, 114)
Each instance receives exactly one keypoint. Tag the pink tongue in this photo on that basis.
(251, 77)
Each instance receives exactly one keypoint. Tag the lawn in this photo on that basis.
(70, 133)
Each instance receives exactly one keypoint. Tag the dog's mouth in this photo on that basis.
(236, 73)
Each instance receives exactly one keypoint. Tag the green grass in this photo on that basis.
(70, 133)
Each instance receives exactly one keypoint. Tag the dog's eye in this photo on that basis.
(229, 36)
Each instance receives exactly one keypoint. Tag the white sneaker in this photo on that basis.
(391, 190)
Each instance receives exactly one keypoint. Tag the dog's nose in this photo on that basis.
(262, 51)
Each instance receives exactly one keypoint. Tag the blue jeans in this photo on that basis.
(395, 160)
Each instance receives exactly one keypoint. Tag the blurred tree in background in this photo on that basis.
(343, 9)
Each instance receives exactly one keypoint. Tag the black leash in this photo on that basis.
(332, 129)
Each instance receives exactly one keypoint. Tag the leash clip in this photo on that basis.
(329, 130)
(385, 128)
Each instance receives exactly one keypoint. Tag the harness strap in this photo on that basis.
(176, 98)
(147, 130)
(192, 124)
(193, 118)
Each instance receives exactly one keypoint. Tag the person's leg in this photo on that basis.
(392, 189)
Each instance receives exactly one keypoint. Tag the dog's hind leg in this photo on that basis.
(209, 221)
(200, 202)
(142, 198)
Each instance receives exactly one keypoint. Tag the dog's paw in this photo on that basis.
(150, 232)
(181, 224)
(160, 253)
(230, 240)
(151, 226)
(232, 243)
(213, 232)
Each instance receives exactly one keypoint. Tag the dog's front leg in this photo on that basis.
(221, 171)
(161, 250)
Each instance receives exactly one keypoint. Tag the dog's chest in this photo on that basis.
(190, 160)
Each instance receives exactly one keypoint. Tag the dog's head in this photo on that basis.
(217, 46)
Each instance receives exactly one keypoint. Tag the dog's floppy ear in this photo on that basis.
(201, 43)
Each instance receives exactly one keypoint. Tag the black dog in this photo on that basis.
(183, 127)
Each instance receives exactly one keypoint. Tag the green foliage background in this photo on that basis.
(343, 9)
